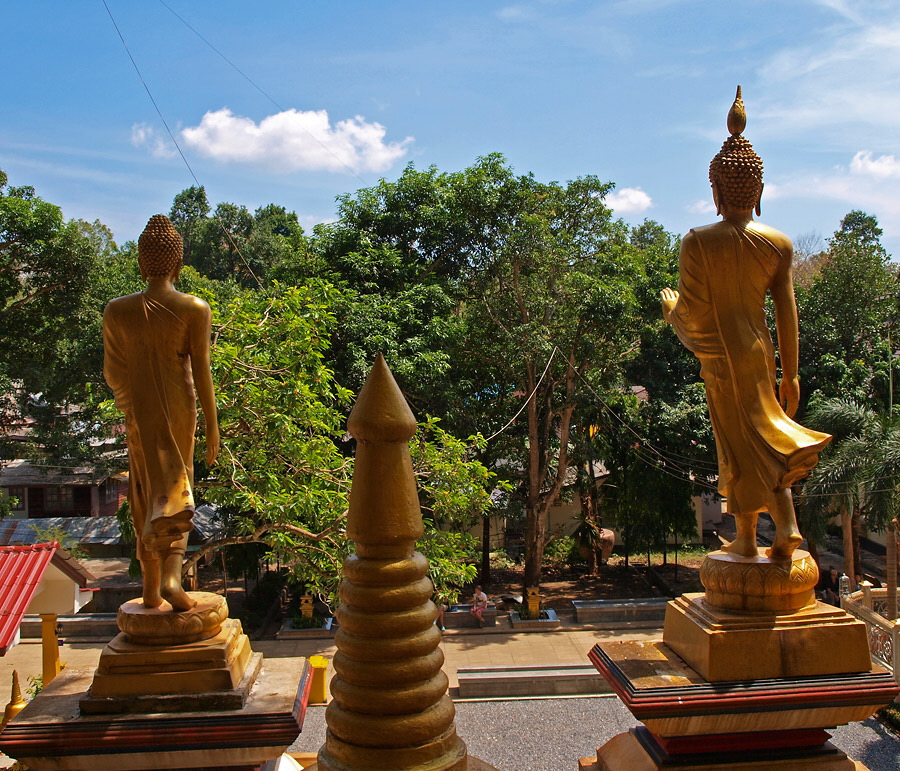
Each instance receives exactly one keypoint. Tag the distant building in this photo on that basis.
(61, 492)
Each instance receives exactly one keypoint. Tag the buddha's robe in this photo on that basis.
(725, 272)
(148, 367)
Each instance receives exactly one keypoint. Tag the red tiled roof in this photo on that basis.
(21, 570)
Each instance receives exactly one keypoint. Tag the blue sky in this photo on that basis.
(634, 91)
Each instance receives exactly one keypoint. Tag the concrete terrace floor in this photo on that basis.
(525, 735)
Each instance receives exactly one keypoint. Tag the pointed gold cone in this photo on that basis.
(384, 503)
(737, 115)
(16, 702)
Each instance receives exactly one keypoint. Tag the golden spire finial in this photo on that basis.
(737, 115)
(16, 702)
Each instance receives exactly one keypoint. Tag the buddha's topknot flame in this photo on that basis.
(737, 170)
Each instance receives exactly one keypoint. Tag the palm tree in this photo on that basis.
(858, 474)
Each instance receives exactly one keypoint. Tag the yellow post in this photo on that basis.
(306, 606)
(533, 597)
(50, 665)
(318, 692)
(16, 702)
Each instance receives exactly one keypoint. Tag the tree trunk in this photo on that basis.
(857, 562)
(485, 573)
(847, 534)
(535, 540)
(891, 572)
(813, 549)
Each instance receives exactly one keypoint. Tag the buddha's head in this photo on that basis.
(159, 249)
(736, 172)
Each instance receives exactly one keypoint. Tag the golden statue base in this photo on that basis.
(759, 619)
(199, 659)
(745, 724)
(723, 645)
(759, 584)
(163, 626)
(748, 676)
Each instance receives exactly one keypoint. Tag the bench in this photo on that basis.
(650, 612)
(459, 617)
(83, 625)
(508, 681)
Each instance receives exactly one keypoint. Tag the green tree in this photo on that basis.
(553, 315)
(233, 244)
(188, 214)
(284, 472)
(46, 268)
(858, 474)
(845, 313)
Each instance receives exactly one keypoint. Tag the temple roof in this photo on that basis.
(21, 570)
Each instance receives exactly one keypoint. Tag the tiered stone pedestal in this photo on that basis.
(732, 689)
(233, 711)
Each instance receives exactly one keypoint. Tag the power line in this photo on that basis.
(174, 140)
(255, 85)
(530, 397)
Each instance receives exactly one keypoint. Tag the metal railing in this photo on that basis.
(869, 604)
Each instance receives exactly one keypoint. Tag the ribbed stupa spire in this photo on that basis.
(390, 707)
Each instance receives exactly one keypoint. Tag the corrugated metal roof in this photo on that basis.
(21, 570)
(99, 530)
(88, 530)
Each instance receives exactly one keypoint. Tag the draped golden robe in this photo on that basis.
(725, 272)
(147, 366)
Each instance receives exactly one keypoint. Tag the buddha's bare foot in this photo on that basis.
(784, 545)
(177, 597)
(152, 599)
(746, 547)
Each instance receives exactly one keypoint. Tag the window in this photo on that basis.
(19, 494)
(58, 499)
(111, 491)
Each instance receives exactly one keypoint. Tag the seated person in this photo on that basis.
(442, 606)
(479, 605)
(829, 587)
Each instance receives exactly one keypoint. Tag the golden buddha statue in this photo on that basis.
(718, 312)
(156, 345)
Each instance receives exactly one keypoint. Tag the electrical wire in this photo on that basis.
(255, 85)
(174, 140)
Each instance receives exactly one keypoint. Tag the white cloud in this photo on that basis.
(867, 182)
(841, 85)
(704, 206)
(628, 200)
(144, 135)
(883, 167)
(516, 13)
(294, 140)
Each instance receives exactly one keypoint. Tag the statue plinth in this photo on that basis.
(739, 681)
(759, 618)
(759, 584)
(166, 662)
(748, 675)
(51, 733)
(777, 723)
(194, 696)
(160, 626)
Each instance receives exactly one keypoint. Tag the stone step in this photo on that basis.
(645, 612)
(551, 680)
